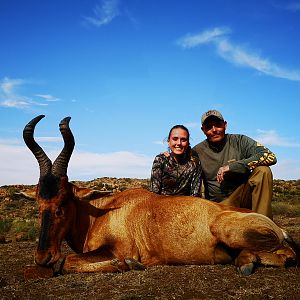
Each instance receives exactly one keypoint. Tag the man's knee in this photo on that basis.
(262, 169)
(261, 173)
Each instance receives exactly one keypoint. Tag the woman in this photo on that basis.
(178, 173)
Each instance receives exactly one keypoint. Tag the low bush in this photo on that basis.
(5, 225)
(28, 228)
(288, 208)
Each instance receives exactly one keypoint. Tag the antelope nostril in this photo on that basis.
(43, 260)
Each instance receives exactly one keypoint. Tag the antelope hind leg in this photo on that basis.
(281, 257)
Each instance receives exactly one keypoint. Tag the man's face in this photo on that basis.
(214, 129)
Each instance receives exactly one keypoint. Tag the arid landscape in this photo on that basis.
(18, 234)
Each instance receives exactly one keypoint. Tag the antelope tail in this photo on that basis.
(293, 245)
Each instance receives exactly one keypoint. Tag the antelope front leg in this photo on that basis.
(245, 262)
(86, 263)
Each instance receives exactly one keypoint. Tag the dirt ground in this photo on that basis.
(161, 282)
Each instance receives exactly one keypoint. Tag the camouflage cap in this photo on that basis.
(211, 113)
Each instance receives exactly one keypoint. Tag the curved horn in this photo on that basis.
(43, 160)
(60, 165)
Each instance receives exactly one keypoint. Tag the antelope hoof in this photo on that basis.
(134, 264)
(246, 269)
(58, 267)
(115, 262)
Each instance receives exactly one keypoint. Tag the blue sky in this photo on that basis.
(126, 71)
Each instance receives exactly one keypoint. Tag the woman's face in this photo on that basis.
(179, 141)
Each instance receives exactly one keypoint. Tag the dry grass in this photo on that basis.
(18, 218)
(19, 214)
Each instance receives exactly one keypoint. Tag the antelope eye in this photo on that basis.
(59, 212)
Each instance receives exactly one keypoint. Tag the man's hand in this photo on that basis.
(221, 172)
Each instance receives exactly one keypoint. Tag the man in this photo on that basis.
(235, 167)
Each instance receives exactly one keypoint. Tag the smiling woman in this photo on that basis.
(177, 172)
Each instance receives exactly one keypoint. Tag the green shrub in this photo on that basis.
(145, 186)
(289, 209)
(13, 205)
(5, 225)
(28, 227)
(11, 192)
(34, 213)
(32, 233)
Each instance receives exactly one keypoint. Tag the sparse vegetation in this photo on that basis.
(18, 223)
(286, 198)
(287, 209)
(19, 215)
(286, 190)
(13, 205)
(25, 229)
(5, 226)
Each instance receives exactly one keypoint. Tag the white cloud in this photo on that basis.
(192, 125)
(236, 54)
(271, 137)
(116, 164)
(207, 36)
(15, 103)
(50, 139)
(286, 170)
(9, 85)
(48, 97)
(18, 165)
(11, 97)
(161, 143)
(104, 13)
(293, 6)
(10, 141)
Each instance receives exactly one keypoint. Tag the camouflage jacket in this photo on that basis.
(171, 178)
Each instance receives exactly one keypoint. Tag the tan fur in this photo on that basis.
(156, 230)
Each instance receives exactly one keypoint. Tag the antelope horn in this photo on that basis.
(60, 165)
(43, 160)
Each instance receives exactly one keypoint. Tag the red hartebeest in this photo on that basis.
(137, 228)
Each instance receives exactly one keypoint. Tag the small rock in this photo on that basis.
(37, 272)
(2, 239)
(19, 236)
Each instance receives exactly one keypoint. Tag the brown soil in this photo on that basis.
(160, 282)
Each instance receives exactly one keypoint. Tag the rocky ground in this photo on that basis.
(161, 282)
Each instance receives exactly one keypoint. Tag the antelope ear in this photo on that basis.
(89, 194)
